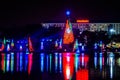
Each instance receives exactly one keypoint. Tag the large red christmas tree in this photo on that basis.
(68, 34)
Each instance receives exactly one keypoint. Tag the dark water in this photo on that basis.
(60, 66)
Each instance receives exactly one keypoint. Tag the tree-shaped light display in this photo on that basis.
(68, 34)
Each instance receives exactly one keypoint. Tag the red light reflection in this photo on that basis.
(82, 74)
(84, 60)
(2, 62)
(68, 65)
(29, 63)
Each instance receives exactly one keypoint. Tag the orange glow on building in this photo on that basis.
(68, 34)
(68, 65)
(2, 47)
(30, 45)
(82, 21)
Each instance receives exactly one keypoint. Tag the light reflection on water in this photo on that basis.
(79, 66)
(56, 61)
(30, 56)
(68, 65)
(60, 62)
(42, 62)
(12, 61)
(8, 63)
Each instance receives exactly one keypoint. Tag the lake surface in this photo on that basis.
(60, 66)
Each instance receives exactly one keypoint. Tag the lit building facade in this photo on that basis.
(111, 28)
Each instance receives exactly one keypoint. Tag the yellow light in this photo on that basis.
(82, 21)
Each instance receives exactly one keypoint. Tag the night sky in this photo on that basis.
(21, 13)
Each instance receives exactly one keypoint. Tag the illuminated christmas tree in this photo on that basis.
(68, 34)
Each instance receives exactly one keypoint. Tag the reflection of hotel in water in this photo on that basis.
(89, 26)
